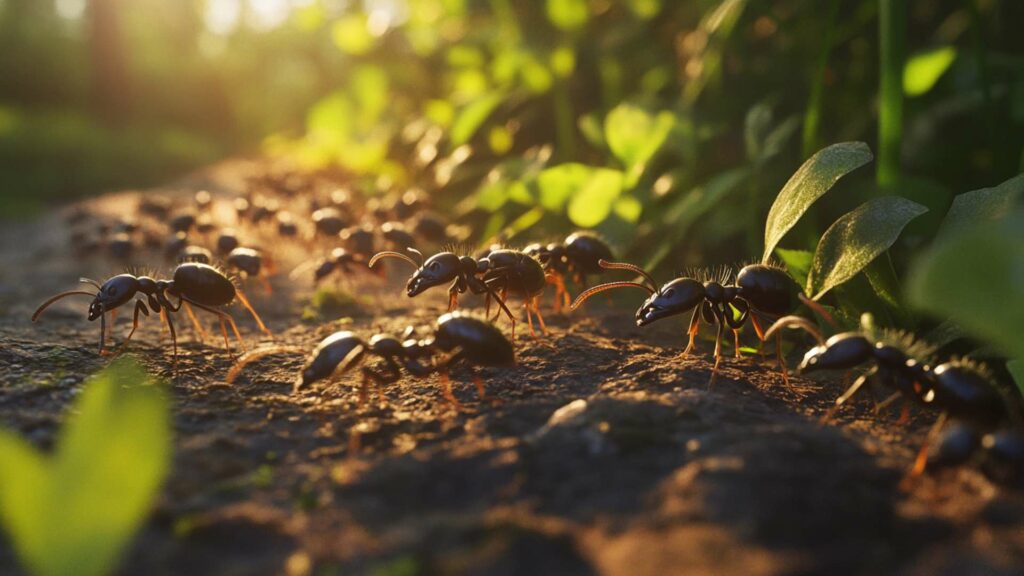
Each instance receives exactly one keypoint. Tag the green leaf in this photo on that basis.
(975, 279)
(592, 203)
(628, 208)
(471, 118)
(812, 180)
(923, 70)
(635, 135)
(856, 239)
(558, 183)
(567, 14)
(798, 263)
(351, 35)
(89, 498)
(1016, 370)
(978, 206)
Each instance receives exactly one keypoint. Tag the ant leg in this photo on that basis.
(223, 316)
(224, 333)
(529, 318)
(113, 322)
(760, 334)
(885, 403)
(782, 361)
(265, 281)
(904, 414)
(736, 343)
(857, 384)
(140, 306)
(103, 333)
(195, 322)
(718, 353)
(692, 331)
(536, 310)
(922, 455)
(174, 342)
(446, 389)
(248, 306)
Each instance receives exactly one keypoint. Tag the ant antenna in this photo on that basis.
(392, 254)
(632, 268)
(601, 288)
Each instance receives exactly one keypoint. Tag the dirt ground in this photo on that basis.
(608, 454)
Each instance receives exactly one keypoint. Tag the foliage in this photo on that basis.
(75, 511)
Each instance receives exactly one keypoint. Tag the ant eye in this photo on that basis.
(434, 266)
(113, 291)
(670, 292)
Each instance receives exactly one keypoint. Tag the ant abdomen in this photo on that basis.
(203, 284)
(768, 289)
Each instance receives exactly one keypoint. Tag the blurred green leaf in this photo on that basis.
(1016, 370)
(680, 216)
(628, 208)
(558, 183)
(976, 279)
(593, 202)
(923, 70)
(978, 206)
(856, 239)
(645, 9)
(567, 14)
(75, 511)
(812, 180)
(351, 35)
(635, 135)
(798, 263)
(472, 117)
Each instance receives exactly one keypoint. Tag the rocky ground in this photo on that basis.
(608, 453)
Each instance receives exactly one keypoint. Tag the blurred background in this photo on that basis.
(670, 111)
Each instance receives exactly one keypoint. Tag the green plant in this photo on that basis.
(75, 511)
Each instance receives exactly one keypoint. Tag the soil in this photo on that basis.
(607, 454)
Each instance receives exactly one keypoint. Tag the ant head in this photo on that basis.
(438, 269)
(115, 292)
(842, 351)
(676, 297)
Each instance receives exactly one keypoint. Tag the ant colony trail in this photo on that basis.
(333, 408)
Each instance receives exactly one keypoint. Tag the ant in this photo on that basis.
(1000, 454)
(340, 260)
(463, 337)
(759, 290)
(251, 262)
(959, 388)
(577, 256)
(192, 283)
(501, 271)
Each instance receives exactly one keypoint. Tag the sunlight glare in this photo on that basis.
(222, 15)
(70, 9)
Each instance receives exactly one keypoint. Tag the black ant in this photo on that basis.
(501, 271)
(249, 262)
(464, 338)
(575, 257)
(192, 283)
(340, 261)
(759, 290)
(999, 454)
(960, 389)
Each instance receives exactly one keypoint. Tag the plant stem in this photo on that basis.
(812, 117)
(565, 130)
(892, 18)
